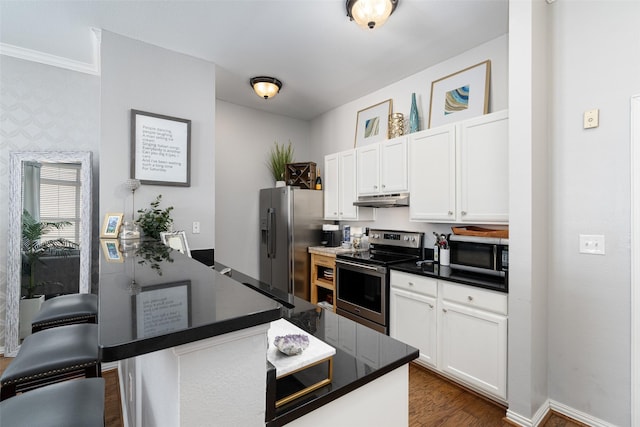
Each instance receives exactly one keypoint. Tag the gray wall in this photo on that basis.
(43, 108)
(589, 304)
(140, 76)
(244, 138)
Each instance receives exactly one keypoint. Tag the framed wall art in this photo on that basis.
(461, 95)
(372, 124)
(160, 149)
(111, 225)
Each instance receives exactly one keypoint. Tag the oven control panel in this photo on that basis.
(405, 239)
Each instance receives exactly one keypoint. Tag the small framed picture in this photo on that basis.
(111, 225)
(372, 124)
(111, 250)
(461, 95)
(176, 240)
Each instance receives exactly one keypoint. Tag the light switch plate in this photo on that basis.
(591, 118)
(592, 244)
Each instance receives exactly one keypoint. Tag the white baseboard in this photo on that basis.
(552, 405)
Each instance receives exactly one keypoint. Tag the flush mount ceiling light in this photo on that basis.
(370, 13)
(265, 87)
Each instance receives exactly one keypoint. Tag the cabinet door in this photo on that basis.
(368, 169)
(432, 175)
(393, 166)
(413, 321)
(347, 185)
(331, 186)
(473, 347)
(484, 169)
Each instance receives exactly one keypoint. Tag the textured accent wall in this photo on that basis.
(43, 108)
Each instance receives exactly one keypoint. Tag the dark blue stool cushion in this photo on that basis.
(78, 403)
(54, 351)
(66, 309)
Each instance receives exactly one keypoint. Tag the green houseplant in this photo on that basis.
(34, 247)
(278, 159)
(154, 220)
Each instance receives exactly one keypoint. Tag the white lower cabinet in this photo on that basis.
(461, 331)
(413, 315)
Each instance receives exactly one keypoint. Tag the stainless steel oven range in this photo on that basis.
(362, 278)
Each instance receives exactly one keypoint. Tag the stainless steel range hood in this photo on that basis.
(396, 200)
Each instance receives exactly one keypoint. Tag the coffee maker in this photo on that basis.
(331, 238)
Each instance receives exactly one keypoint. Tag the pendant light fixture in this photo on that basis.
(265, 87)
(370, 13)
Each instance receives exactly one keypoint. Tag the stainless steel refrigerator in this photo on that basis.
(290, 222)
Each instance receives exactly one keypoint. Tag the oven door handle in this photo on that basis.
(353, 264)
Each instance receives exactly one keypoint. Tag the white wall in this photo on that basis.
(244, 138)
(136, 75)
(589, 309)
(43, 108)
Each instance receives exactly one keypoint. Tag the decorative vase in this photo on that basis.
(29, 307)
(413, 116)
(280, 184)
(396, 125)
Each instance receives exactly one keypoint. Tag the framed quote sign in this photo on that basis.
(160, 149)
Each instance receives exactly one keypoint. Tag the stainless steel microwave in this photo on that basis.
(485, 255)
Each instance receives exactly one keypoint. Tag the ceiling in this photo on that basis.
(322, 58)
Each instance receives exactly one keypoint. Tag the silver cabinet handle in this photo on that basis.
(450, 213)
(410, 283)
(444, 310)
(375, 187)
(430, 305)
(463, 213)
(470, 298)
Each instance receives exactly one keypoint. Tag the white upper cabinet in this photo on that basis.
(433, 174)
(459, 172)
(484, 169)
(382, 167)
(340, 188)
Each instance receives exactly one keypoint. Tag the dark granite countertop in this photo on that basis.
(186, 301)
(436, 271)
(362, 354)
(152, 298)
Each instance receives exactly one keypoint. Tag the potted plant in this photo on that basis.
(154, 220)
(278, 159)
(34, 247)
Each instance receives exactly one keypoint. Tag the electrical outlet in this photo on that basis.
(196, 227)
(592, 244)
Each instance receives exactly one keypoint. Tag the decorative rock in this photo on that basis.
(291, 344)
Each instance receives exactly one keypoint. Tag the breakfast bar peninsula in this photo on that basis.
(191, 345)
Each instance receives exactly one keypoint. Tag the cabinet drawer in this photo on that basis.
(414, 283)
(474, 297)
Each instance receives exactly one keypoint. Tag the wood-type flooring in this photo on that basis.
(433, 401)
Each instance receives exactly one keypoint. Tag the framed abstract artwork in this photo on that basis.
(372, 124)
(461, 95)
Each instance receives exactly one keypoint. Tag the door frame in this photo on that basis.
(635, 260)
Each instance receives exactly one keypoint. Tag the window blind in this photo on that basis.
(60, 198)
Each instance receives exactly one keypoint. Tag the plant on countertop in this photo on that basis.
(34, 247)
(154, 220)
(278, 159)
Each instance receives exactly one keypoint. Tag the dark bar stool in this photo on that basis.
(66, 310)
(51, 356)
(71, 404)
